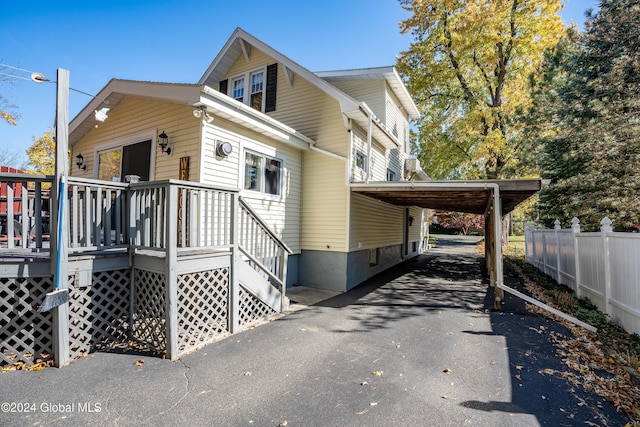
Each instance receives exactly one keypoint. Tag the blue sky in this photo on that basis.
(175, 41)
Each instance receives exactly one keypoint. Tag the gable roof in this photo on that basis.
(241, 43)
(117, 89)
(389, 74)
(190, 95)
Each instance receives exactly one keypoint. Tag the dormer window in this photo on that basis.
(260, 85)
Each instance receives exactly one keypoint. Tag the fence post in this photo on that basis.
(556, 228)
(543, 239)
(532, 229)
(575, 227)
(527, 239)
(605, 228)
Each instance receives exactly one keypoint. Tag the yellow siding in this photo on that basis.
(377, 159)
(374, 224)
(396, 120)
(325, 204)
(282, 214)
(303, 107)
(136, 116)
(369, 91)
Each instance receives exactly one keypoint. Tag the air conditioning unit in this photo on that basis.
(413, 171)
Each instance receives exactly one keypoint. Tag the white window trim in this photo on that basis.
(270, 154)
(366, 160)
(246, 98)
(129, 140)
(395, 172)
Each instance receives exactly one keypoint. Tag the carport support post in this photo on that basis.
(497, 225)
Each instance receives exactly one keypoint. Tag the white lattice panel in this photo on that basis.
(252, 310)
(99, 313)
(149, 323)
(25, 334)
(202, 307)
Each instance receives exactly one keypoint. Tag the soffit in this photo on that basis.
(459, 196)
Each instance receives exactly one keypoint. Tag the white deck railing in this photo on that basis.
(105, 215)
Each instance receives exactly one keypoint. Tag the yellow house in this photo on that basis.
(293, 141)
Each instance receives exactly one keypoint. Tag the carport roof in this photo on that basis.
(472, 196)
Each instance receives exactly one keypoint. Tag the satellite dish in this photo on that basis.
(39, 78)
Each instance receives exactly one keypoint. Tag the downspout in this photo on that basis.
(369, 131)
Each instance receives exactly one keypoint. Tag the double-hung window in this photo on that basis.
(262, 173)
(257, 88)
(252, 84)
(237, 87)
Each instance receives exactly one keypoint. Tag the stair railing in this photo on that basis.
(262, 249)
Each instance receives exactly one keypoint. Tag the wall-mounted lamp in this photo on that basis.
(80, 162)
(202, 112)
(163, 142)
(223, 149)
(410, 221)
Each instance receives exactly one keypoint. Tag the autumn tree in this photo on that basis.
(42, 154)
(464, 223)
(594, 159)
(467, 70)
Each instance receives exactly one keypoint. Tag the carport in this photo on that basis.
(491, 198)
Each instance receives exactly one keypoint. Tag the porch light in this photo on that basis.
(163, 142)
(80, 162)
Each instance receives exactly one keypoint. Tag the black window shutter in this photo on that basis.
(223, 86)
(272, 83)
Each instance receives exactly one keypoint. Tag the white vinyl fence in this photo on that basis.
(602, 266)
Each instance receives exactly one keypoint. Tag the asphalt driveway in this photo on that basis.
(415, 346)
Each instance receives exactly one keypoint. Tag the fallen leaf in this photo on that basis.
(519, 368)
(447, 371)
(518, 378)
(373, 404)
(139, 362)
(377, 373)
(284, 423)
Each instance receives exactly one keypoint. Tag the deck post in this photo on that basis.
(171, 259)
(60, 331)
(234, 283)
(284, 261)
